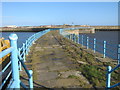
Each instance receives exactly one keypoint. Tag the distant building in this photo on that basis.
(11, 26)
(84, 25)
(48, 26)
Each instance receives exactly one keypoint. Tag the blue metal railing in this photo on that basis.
(109, 71)
(99, 46)
(96, 45)
(17, 60)
(14, 61)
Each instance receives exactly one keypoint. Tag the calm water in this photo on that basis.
(110, 36)
(22, 36)
(112, 39)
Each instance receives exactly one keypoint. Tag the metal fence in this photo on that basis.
(97, 46)
(17, 60)
(108, 75)
(103, 47)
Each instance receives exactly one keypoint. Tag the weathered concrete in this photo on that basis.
(60, 63)
(52, 66)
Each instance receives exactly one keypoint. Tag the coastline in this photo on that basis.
(37, 29)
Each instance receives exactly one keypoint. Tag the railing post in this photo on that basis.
(70, 36)
(118, 53)
(87, 42)
(24, 52)
(82, 40)
(94, 47)
(104, 49)
(14, 59)
(33, 40)
(108, 77)
(31, 79)
(74, 38)
(20, 68)
(26, 44)
(78, 39)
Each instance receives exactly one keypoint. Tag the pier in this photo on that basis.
(51, 64)
(59, 61)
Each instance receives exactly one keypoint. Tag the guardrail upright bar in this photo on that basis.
(26, 47)
(118, 53)
(20, 67)
(74, 38)
(24, 52)
(94, 47)
(70, 37)
(104, 49)
(14, 59)
(82, 40)
(78, 39)
(87, 42)
(31, 79)
(108, 77)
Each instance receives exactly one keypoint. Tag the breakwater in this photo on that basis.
(36, 29)
(107, 29)
(22, 29)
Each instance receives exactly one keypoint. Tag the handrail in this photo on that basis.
(18, 55)
(23, 51)
(23, 85)
(85, 39)
(5, 79)
(14, 60)
(108, 75)
(6, 66)
(24, 66)
(100, 46)
(6, 51)
(114, 68)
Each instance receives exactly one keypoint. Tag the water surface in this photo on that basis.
(22, 36)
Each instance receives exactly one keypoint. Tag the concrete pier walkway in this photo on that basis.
(51, 64)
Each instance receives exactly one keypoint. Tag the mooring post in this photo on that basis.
(14, 59)
(31, 79)
(87, 42)
(104, 49)
(82, 40)
(108, 76)
(94, 43)
(118, 53)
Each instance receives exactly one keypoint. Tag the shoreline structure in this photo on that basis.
(38, 28)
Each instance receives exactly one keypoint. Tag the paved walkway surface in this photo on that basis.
(52, 66)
